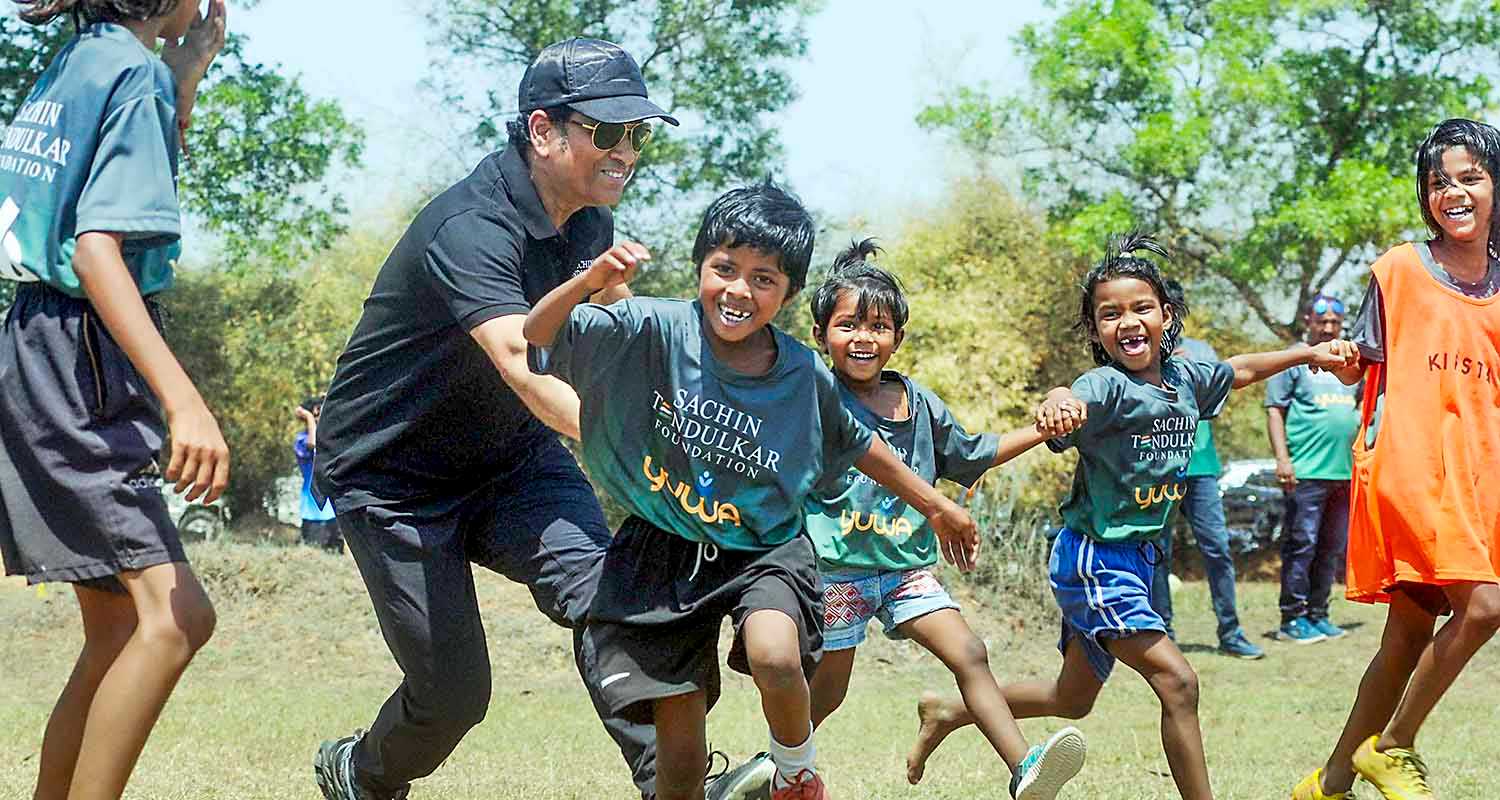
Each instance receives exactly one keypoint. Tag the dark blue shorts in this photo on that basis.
(80, 435)
(1104, 590)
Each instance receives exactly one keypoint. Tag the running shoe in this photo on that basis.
(1398, 773)
(1048, 766)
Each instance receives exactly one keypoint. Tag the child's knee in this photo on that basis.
(1482, 614)
(1076, 705)
(777, 669)
(1177, 687)
(182, 628)
(198, 623)
(973, 655)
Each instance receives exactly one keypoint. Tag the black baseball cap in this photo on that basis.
(594, 77)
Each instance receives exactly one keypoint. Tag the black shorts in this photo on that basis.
(80, 434)
(654, 625)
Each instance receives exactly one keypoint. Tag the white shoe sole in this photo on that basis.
(753, 785)
(1062, 758)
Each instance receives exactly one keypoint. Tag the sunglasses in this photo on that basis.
(1323, 305)
(607, 135)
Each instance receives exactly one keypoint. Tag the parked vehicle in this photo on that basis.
(1253, 503)
(196, 521)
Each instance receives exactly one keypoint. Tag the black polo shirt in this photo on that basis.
(416, 409)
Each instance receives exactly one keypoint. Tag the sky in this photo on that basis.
(853, 148)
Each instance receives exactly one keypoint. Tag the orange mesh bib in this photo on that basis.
(1425, 506)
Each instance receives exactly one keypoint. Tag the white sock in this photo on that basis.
(791, 760)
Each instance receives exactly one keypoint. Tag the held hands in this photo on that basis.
(200, 458)
(957, 535)
(1060, 415)
(616, 266)
(1334, 354)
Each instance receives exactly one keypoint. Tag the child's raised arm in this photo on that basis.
(614, 267)
(957, 534)
(1335, 355)
(1058, 415)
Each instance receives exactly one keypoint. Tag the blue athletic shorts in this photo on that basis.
(851, 598)
(1104, 590)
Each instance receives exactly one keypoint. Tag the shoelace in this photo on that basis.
(804, 788)
(1410, 763)
(710, 776)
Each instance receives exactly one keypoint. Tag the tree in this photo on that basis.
(259, 150)
(717, 64)
(1270, 144)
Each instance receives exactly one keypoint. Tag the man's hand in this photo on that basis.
(957, 535)
(616, 266)
(1285, 475)
(1334, 354)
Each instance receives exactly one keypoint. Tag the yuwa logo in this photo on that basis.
(878, 524)
(1156, 494)
(711, 514)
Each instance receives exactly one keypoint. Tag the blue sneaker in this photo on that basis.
(1048, 766)
(1300, 631)
(1236, 645)
(1327, 628)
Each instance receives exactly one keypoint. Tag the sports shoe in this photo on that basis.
(805, 786)
(1311, 788)
(333, 766)
(749, 781)
(1299, 631)
(1398, 773)
(1327, 628)
(1236, 645)
(1048, 766)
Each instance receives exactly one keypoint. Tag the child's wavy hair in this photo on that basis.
(1483, 143)
(1128, 256)
(874, 289)
(88, 12)
(763, 216)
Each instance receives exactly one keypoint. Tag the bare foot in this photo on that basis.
(936, 718)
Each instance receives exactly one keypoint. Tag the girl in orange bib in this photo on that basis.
(1423, 536)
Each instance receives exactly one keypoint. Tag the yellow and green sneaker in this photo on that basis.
(1398, 773)
(1311, 788)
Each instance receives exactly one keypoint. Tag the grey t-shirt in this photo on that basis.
(690, 445)
(1134, 449)
(92, 148)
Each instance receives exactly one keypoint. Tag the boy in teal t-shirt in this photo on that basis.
(712, 427)
(1311, 421)
(875, 554)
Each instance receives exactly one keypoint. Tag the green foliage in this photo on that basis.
(258, 341)
(260, 153)
(719, 65)
(1268, 143)
(992, 307)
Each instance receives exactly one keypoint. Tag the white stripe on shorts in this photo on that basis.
(1095, 589)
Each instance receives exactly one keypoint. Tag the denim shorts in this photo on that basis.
(1104, 591)
(851, 598)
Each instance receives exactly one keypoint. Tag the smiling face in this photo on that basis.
(1129, 320)
(859, 347)
(1461, 204)
(579, 174)
(741, 289)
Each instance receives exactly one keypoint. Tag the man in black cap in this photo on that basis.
(437, 444)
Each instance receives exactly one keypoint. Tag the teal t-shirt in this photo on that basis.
(1134, 449)
(93, 148)
(1321, 421)
(687, 443)
(1205, 458)
(861, 525)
